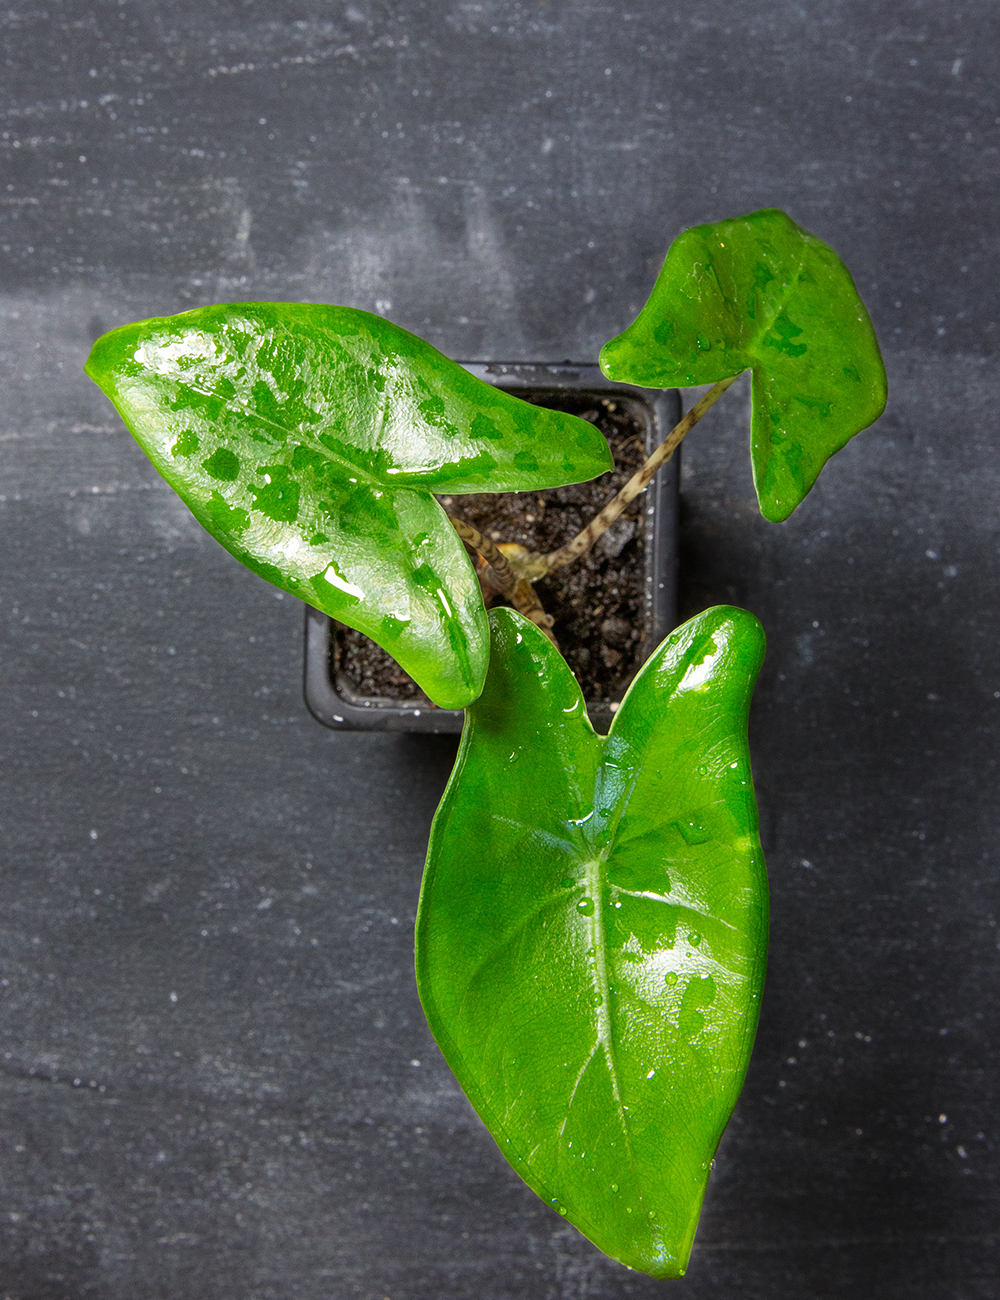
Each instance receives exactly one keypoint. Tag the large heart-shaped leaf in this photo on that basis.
(760, 292)
(593, 924)
(309, 440)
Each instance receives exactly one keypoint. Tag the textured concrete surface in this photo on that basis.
(215, 1079)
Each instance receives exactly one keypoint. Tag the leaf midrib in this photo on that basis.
(750, 352)
(786, 292)
(594, 884)
(235, 409)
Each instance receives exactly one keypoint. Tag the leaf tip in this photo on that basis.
(97, 366)
(774, 510)
(609, 358)
(744, 625)
(450, 696)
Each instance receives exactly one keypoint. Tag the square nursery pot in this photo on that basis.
(627, 593)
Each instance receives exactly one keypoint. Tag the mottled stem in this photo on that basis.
(525, 601)
(538, 565)
(501, 575)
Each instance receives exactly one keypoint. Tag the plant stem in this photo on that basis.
(501, 575)
(536, 566)
(514, 580)
(525, 600)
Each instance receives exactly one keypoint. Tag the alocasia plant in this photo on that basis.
(592, 926)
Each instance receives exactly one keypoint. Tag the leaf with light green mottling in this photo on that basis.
(592, 927)
(759, 292)
(309, 440)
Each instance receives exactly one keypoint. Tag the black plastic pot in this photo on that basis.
(330, 697)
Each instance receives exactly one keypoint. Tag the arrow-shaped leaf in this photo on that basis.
(593, 923)
(760, 292)
(309, 441)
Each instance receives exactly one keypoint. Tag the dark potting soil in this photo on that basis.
(597, 601)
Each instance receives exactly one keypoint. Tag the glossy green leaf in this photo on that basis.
(309, 441)
(759, 292)
(593, 923)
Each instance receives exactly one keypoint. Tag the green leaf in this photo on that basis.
(593, 923)
(309, 441)
(759, 292)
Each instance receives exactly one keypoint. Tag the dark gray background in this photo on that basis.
(216, 1079)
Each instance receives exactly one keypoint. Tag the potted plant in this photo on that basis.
(612, 608)
(592, 926)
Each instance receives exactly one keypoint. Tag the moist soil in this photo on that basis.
(597, 602)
